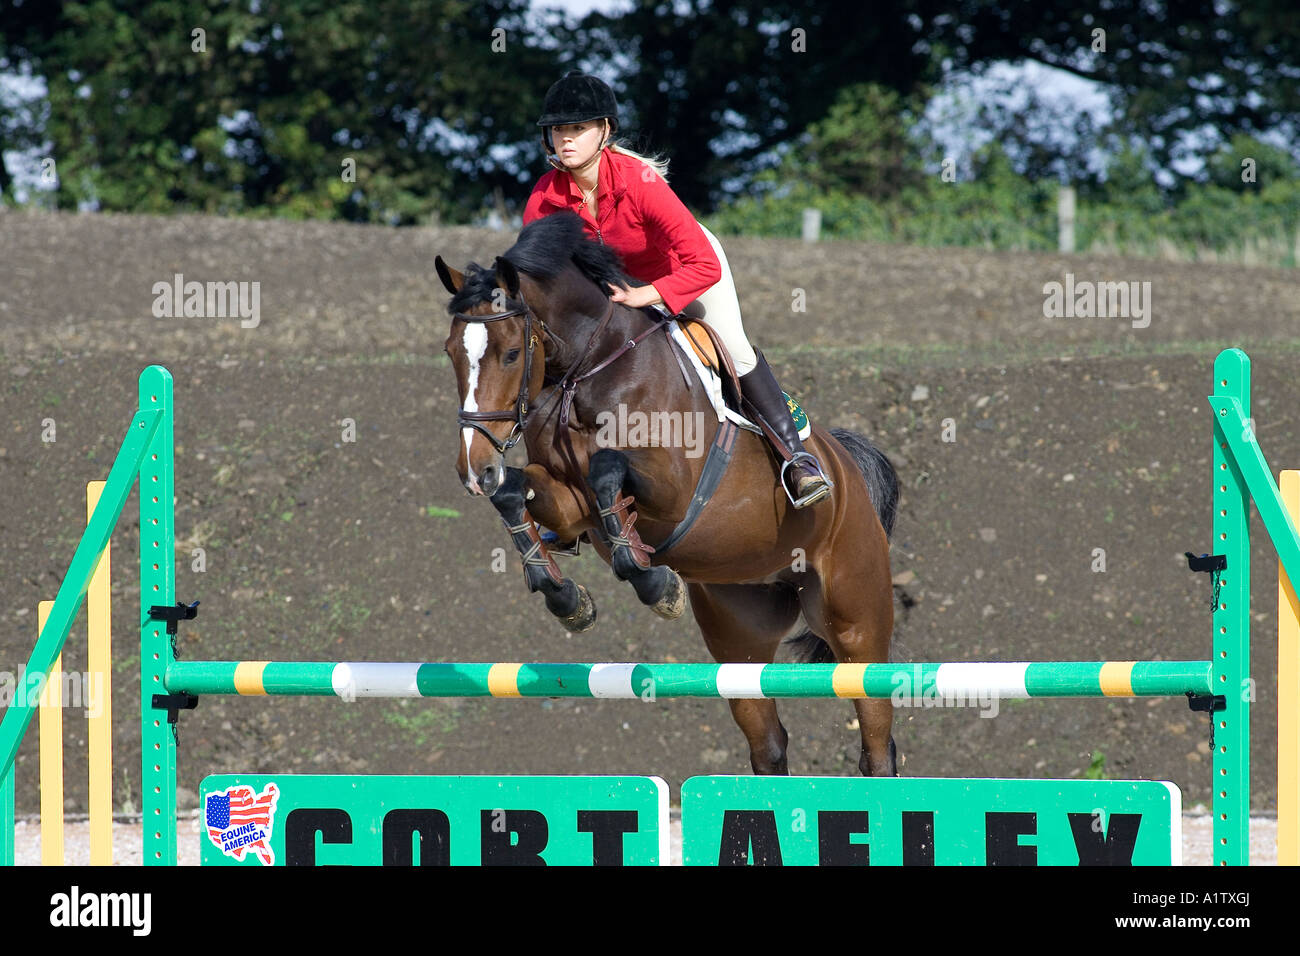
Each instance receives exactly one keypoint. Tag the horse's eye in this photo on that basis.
(512, 356)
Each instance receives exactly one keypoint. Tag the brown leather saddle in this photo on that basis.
(708, 346)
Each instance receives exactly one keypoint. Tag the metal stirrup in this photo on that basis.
(803, 457)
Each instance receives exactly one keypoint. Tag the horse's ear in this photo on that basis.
(508, 277)
(452, 279)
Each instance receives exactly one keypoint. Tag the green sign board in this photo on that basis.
(305, 820)
(845, 821)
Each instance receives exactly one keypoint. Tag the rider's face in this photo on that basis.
(577, 143)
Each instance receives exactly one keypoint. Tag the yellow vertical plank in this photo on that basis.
(99, 700)
(1288, 696)
(51, 734)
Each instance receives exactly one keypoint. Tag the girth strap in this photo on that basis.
(715, 466)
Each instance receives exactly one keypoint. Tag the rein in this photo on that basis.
(567, 384)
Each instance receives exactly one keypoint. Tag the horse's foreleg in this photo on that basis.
(554, 504)
(568, 601)
(658, 588)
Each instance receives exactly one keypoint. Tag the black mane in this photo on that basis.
(543, 249)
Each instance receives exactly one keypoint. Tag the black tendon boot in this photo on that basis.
(804, 481)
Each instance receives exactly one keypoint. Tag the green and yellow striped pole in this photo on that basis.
(907, 684)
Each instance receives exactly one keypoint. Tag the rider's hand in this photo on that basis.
(636, 296)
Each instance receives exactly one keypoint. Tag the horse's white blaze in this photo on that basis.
(475, 341)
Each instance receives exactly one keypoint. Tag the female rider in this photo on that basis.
(625, 202)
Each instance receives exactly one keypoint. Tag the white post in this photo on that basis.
(1065, 219)
(812, 224)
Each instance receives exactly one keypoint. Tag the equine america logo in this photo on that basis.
(239, 821)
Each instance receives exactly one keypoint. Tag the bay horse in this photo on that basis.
(540, 351)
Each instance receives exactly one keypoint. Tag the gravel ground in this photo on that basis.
(1074, 435)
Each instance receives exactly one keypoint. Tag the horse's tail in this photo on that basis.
(882, 483)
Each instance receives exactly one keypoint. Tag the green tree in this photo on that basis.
(435, 100)
(862, 146)
(1270, 165)
(268, 106)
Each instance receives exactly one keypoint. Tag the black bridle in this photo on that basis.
(567, 384)
(519, 413)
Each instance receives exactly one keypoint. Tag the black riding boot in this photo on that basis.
(805, 482)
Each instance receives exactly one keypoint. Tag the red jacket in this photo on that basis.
(644, 222)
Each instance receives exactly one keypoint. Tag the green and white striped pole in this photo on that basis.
(902, 682)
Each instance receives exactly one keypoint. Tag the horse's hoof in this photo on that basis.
(672, 603)
(583, 617)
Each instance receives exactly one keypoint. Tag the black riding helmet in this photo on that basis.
(575, 98)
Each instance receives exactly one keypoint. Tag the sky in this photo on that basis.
(582, 7)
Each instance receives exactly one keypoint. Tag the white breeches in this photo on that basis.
(720, 308)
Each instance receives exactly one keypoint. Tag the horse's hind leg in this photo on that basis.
(568, 601)
(879, 755)
(746, 624)
(660, 588)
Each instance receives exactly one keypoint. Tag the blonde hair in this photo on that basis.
(657, 163)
